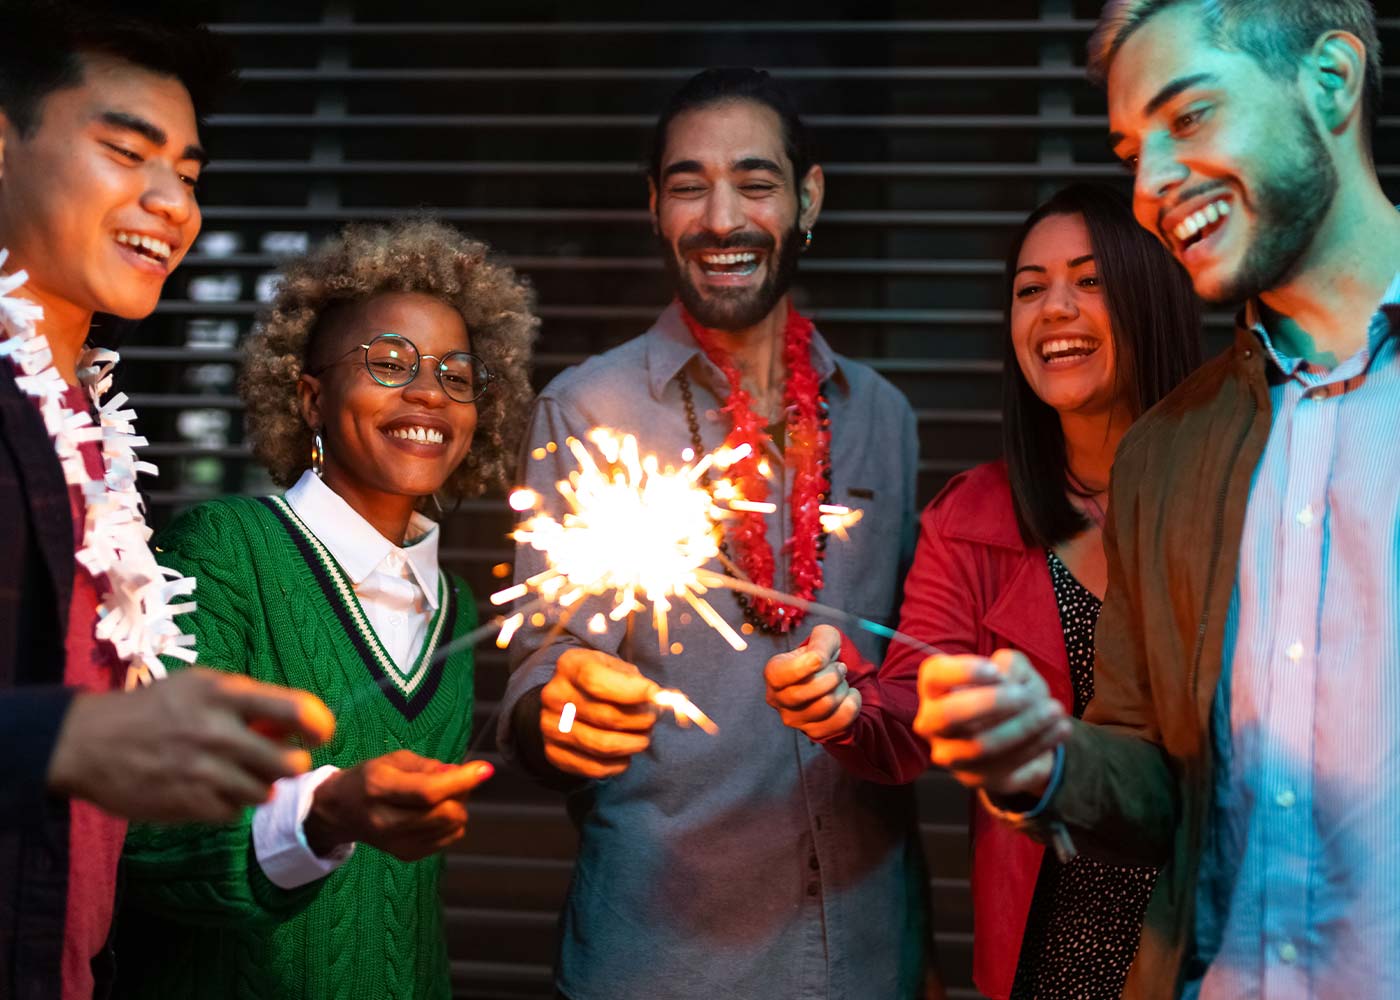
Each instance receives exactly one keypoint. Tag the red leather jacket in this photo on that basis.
(974, 587)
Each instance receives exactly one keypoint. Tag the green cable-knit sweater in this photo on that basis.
(200, 919)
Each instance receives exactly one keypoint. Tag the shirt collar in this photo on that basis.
(670, 347)
(1383, 322)
(355, 543)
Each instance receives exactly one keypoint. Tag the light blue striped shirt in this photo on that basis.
(1299, 891)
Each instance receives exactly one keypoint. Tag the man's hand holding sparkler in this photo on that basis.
(808, 686)
(612, 716)
(991, 722)
(200, 745)
(403, 804)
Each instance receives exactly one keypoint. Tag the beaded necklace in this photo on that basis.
(806, 452)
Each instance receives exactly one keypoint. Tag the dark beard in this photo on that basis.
(733, 309)
(1290, 202)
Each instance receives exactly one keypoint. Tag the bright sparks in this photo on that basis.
(638, 533)
(633, 530)
(684, 709)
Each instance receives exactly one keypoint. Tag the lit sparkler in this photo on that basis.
(638, 532)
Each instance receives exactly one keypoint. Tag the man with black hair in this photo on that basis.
(750, 865)
(99, 155)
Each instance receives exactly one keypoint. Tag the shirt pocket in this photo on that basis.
(862, 571)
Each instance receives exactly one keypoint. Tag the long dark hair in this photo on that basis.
(1156, 321)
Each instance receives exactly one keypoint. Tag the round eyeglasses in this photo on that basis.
(393, 361)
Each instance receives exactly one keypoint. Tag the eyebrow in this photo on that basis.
(757, 163)
(1162, 96)
(151, 132)
(1076, 262)
(746, 164)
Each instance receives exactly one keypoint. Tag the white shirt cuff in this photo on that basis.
(279, 842)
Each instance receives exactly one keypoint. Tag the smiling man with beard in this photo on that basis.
(1246, 720)
(748, 865)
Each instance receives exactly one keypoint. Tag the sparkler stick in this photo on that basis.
(713, 579)
(481, 632)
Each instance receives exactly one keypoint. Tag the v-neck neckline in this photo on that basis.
(408, 692)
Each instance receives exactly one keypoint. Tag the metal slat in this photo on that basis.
(594, 121)
(836, 265)
(604, 74)
(645, 314)
(605, 27)
(516, 168)
(589, 216)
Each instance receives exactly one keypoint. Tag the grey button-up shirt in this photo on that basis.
(747, 864)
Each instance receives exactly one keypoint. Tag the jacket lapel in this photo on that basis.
(1026, 616)
(45, 494)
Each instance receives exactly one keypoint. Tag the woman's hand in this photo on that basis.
(403, 804)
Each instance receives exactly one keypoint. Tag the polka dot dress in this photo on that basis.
(1085, 918)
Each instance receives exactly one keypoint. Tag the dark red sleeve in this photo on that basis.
(941, 608)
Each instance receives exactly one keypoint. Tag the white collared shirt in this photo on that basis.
(397, 586)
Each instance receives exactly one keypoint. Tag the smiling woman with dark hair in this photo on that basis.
(1101, 324)
(390, 370)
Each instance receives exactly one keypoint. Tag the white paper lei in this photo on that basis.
(134, 614)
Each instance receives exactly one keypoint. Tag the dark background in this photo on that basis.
(525, 123)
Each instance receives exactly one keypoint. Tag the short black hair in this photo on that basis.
(722, 85)
(42, 42)
(1156, 319)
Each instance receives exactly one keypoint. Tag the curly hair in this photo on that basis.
(363, 261)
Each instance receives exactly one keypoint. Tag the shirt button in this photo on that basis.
(1295, 651)
(812, 889)
(1305, 516)
(1286, 799)
(1288, 953)
(812, 863)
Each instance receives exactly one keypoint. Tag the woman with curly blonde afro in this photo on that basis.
(390, 371)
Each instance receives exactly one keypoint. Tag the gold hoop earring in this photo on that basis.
(318, 455)
(807, 241)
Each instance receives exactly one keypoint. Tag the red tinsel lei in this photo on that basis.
(806, 455)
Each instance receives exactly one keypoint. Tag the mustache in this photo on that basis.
(738, 241)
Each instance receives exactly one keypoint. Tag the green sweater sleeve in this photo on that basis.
(197, 872)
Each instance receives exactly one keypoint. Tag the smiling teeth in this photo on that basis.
(422, 435)
(157, 248)
(729, 258)
(1066, 345)
(1197, 221)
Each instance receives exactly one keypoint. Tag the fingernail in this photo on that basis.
(484, 770)
(842, 667)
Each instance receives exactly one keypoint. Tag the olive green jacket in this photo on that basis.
(1137, 772)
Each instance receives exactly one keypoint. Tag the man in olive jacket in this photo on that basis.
(1246, 717)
